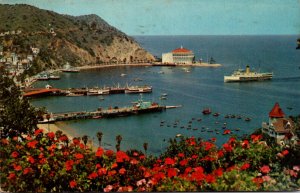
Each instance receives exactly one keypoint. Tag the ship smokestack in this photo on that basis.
(247, 69)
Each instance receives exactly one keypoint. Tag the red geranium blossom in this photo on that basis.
(38, 131)
(17, 167)
(265, 169)
(69, 164)
(32, 144)
(255, 137)
(11, 176)
(27, 170)
(76, 141)
(134, 162)
(30, 159)
(121, 156)
(183, 162)
(51, 135)
(172, 172)
(99, 152)
(93, 175)
(102, 171)
(109, 153)
(122, 171)
(79, 156)
(169, 161)
(245, 166)
(147, 174)
(245, 144)
(181, 155)
(14, 154)
(227, 147)
(226, 131)
(210, 178)
(208, 145)
(218, 172)
(72, 184)
(285, 152)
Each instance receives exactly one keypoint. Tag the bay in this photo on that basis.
(200, 88)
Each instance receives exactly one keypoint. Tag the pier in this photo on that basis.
(49, 91)
(139, 108)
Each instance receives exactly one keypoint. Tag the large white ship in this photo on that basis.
(241, 75)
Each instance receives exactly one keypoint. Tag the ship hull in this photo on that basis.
(245, 79)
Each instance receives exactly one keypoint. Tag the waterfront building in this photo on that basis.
(279, 127)
(178, 56)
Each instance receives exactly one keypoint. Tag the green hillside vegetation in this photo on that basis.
(80, 40)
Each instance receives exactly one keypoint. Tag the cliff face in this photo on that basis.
(81, 40)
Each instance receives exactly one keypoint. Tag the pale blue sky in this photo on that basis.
(185, 17)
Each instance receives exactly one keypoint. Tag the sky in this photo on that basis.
(185, 17)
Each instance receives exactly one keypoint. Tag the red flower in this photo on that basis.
(183, 162)
(213, 139)
(194, 156)
(32, 144)
(285, 152)
(265, 169)
(30, 159)
(147, 174)
(102, 171)
(122, 171)
(69, 165)
(181, 155)
(245, 166)
(210, 179)
(112, 172)
(109, 153)
(121, 156)
(208, 145)
(4, 141)
(218, 172)
(159, 176)
(227, 147)
(245, 144)
(72, 184)
(258, 180)
(14, 154)
(79, 156)
(197, 176)
(220, 153)
(51, 135)
(199, 169)
(27, 170)
(99, 152)
(17, 167)
(134, 162)
(76, 141)
(43, 161)
(231, 140)
(169, 161)
(11, 176)
(38, 131)
(93, 176)
(172, 172)
(114, 165)
(63, 138)
(255, 137)
(188, 170)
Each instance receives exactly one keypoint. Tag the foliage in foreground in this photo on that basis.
(49, 162)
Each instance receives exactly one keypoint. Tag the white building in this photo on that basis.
(178, 56)
(278, 126)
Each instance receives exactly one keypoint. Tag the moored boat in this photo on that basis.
(206, 111)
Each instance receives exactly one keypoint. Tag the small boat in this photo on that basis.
(96, 117)
(216, 114)
(101, 98)
(73, 94)
(226, 116)
(123, 74)
(163, 98)
(238, 117)
(248, 119)
(164, 94)
(178, 135)
(71, 69)
(289, 108)
(232, 116)
(54, 77)
(161, 72)
(206, 111)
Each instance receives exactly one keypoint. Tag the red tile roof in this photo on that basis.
(276, 112)
(181, 50)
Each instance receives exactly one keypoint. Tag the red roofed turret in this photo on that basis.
(276, 112)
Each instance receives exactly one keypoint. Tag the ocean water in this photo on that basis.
(200, 88)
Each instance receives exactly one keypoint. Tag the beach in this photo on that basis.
(53, 127)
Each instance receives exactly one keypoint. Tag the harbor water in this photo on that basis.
(194, 89)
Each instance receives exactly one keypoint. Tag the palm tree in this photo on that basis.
(99, 136)
(118, 147)
(145, 145)
(58, 133)
(119, 139)
(85, 139)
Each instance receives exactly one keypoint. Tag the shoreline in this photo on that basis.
(53, 127)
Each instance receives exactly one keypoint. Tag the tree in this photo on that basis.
(145, 145)
(85, 139)
(17, 116)
(99, 136)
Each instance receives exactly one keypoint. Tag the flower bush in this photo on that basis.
(47, 162)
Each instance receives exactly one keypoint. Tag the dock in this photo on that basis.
(139, 108)
(38, 92)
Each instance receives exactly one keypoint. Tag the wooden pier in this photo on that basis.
(105, 113)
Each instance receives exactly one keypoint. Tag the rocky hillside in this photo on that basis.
(81, 40)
